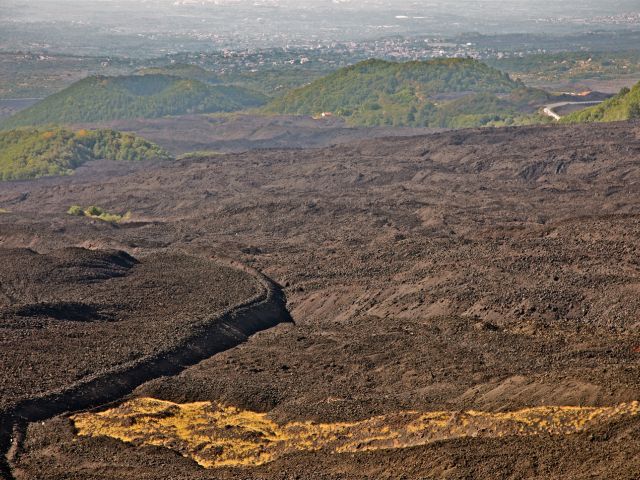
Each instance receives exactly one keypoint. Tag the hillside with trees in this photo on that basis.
(624, 106)
(434, 93)
(31, 152)
(181, 70)
(98, 98)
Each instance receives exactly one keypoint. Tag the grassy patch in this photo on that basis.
(97, 213)
(198, 154)
(216, 435)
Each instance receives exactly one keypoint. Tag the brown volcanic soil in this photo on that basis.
(610, 452)
(493, 269)
(241, 132)
(74, 312)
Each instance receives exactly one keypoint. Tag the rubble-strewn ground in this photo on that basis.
(73, 313)
(238, 132)
(492, 270)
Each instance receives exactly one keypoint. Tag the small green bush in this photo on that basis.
(97, 213)
(76, 210)
(94, 211)
(110, 217)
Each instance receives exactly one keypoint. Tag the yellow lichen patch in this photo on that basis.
(216, 435)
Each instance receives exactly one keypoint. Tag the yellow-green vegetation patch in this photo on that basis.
(216, 435)
(37, 152)
(4, 210)
(198, 154)
(97, 213)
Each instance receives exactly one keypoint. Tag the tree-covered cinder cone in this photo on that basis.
(38, 152)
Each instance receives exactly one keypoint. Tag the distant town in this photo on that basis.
(335, 54)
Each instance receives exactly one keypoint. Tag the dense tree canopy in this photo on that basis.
(97, 99)
(30, 152)
(182, 70)
(441, 92)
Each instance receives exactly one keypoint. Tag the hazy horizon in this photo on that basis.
(195, 25)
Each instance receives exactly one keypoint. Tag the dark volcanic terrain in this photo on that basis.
(490, 270)
(92, 310)
(238, 132)
(84, 327)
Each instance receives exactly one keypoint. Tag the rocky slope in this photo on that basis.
(482, 270)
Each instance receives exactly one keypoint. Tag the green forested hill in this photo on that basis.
(182, 70)
(624, 106)
(99, 98)
(441, 92)
(31, 152)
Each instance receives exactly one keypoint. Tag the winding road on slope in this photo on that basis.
(550, 109)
